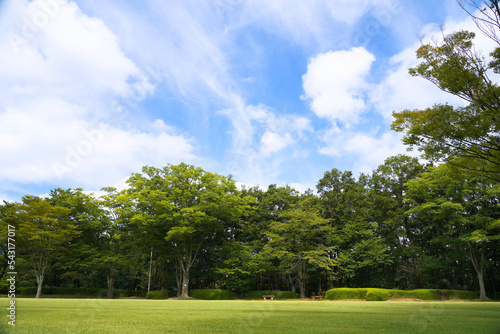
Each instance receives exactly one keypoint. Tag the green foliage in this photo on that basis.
(401, 294)
(346, 293)
(299, 240)
(378, 295)
(214, 294)
(183, 208)
(277, 294)
(460, 294)
(372, 294)
(443, 131)
(158, 294)
(428, 294)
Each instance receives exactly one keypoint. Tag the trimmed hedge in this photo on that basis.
(214, 294)
(378, 295)
(158, 294)
(373, 294)
(428, 294)
(346, 293)
(277, 294)
(460, 294)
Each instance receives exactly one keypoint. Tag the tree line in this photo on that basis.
(403, 226)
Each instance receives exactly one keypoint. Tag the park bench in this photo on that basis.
(268, 297)
(317, 297)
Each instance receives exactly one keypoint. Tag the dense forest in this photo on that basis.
(405, 225)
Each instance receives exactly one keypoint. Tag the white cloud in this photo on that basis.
(70, 55)
(367, 150)
(120, 152)
(335, 84)
(272, 142)
(56, 120)
(262, 141)
(316, 24)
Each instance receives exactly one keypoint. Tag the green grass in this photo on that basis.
(203, 316)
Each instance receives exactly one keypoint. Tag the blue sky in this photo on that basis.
(273, 91)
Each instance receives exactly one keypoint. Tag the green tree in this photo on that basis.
(114, 251)
(442, 132)
(386, 200)
(188, 206)
(457, 210)
(43, 233)
(269, 206)
(298, 239)
(354, 245)
(100, 245)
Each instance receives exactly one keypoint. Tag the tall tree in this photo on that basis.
(188, 206)
(299, 239)
(458, 210)
(354, 244)
(386, 199)
(43, 233)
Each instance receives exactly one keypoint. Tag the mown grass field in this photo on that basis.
(196, 316)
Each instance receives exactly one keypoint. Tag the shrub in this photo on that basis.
(378, 295)
(401, 294)
(384, 294)
(427, 294)
(214, 294)
(277, 294)
(29, 291)
(346, 293)
(460, 294)
(157, 294)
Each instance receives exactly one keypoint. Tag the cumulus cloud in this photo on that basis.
(59, 71)
(335, 84)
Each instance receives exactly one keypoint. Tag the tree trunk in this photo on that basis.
(185, 265)
(302, 278)
(111, 281)
(185, 284)
(39, 281)
(178, 278)
(479, 267)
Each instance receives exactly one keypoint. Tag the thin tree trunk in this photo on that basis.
(302, 278)
(39, 281)
(479, 267)
(178, 277)
(111, 282)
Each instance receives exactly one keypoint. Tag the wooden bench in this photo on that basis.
(317, 297)
(268, 297)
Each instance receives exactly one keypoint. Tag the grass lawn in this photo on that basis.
(196, 316)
